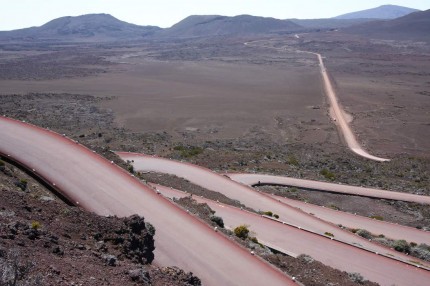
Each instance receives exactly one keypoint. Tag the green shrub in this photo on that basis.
(421, 251)
(276, 216)
(334, 207)
(254, 239)
(218, 220)
(268, 213)
(241, 231)
(1, 163)
(35, 225)
(327, 174)
(401, 246)
(130, 169)
(329, 234)
(292, 160)
(377, 217)
(364, 233)
(188, 151)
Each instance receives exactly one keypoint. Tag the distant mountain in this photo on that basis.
(328, 23)
(415, 26)
(214, 25)
(381, 12)
(96, 27)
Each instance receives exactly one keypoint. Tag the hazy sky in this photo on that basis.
(16, 14)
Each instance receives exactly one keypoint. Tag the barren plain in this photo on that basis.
(237, 107)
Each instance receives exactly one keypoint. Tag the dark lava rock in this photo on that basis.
(110, 260)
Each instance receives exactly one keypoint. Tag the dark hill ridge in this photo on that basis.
(85, 27)
(415, 26)
(215, 25)
(330, 23)
(104, 27)
(381, 12)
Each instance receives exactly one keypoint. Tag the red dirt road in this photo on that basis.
(293, 241)
(376, 227)
(92, 182)
(339, 117)
(254, 179)
(253, 199)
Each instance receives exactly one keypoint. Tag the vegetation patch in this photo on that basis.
(188, 151)
(36, 225)
(292, 160)
(377, 217)
(364, 233)
(268, 213)
(241, 231)
(327, 174)
(334, 207)
(218, 220)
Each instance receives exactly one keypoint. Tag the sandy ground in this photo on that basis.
(211, 99)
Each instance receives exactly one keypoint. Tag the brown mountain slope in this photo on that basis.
(415, 26)
(214, 25)
(381, 12)
(91, 27)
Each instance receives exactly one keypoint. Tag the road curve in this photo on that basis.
(254, 179)
(376, 227)
(294, 241)
(339, 117)
(253, 199)
(94, 183)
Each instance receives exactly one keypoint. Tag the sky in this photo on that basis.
(16, 14)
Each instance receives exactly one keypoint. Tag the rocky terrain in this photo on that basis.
(114, 96)
(95, 127)
(44, 241)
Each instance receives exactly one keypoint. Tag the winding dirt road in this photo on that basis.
(98, 185)
(294, 241)
(254, 179)
(253, 199)
(374, 226)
